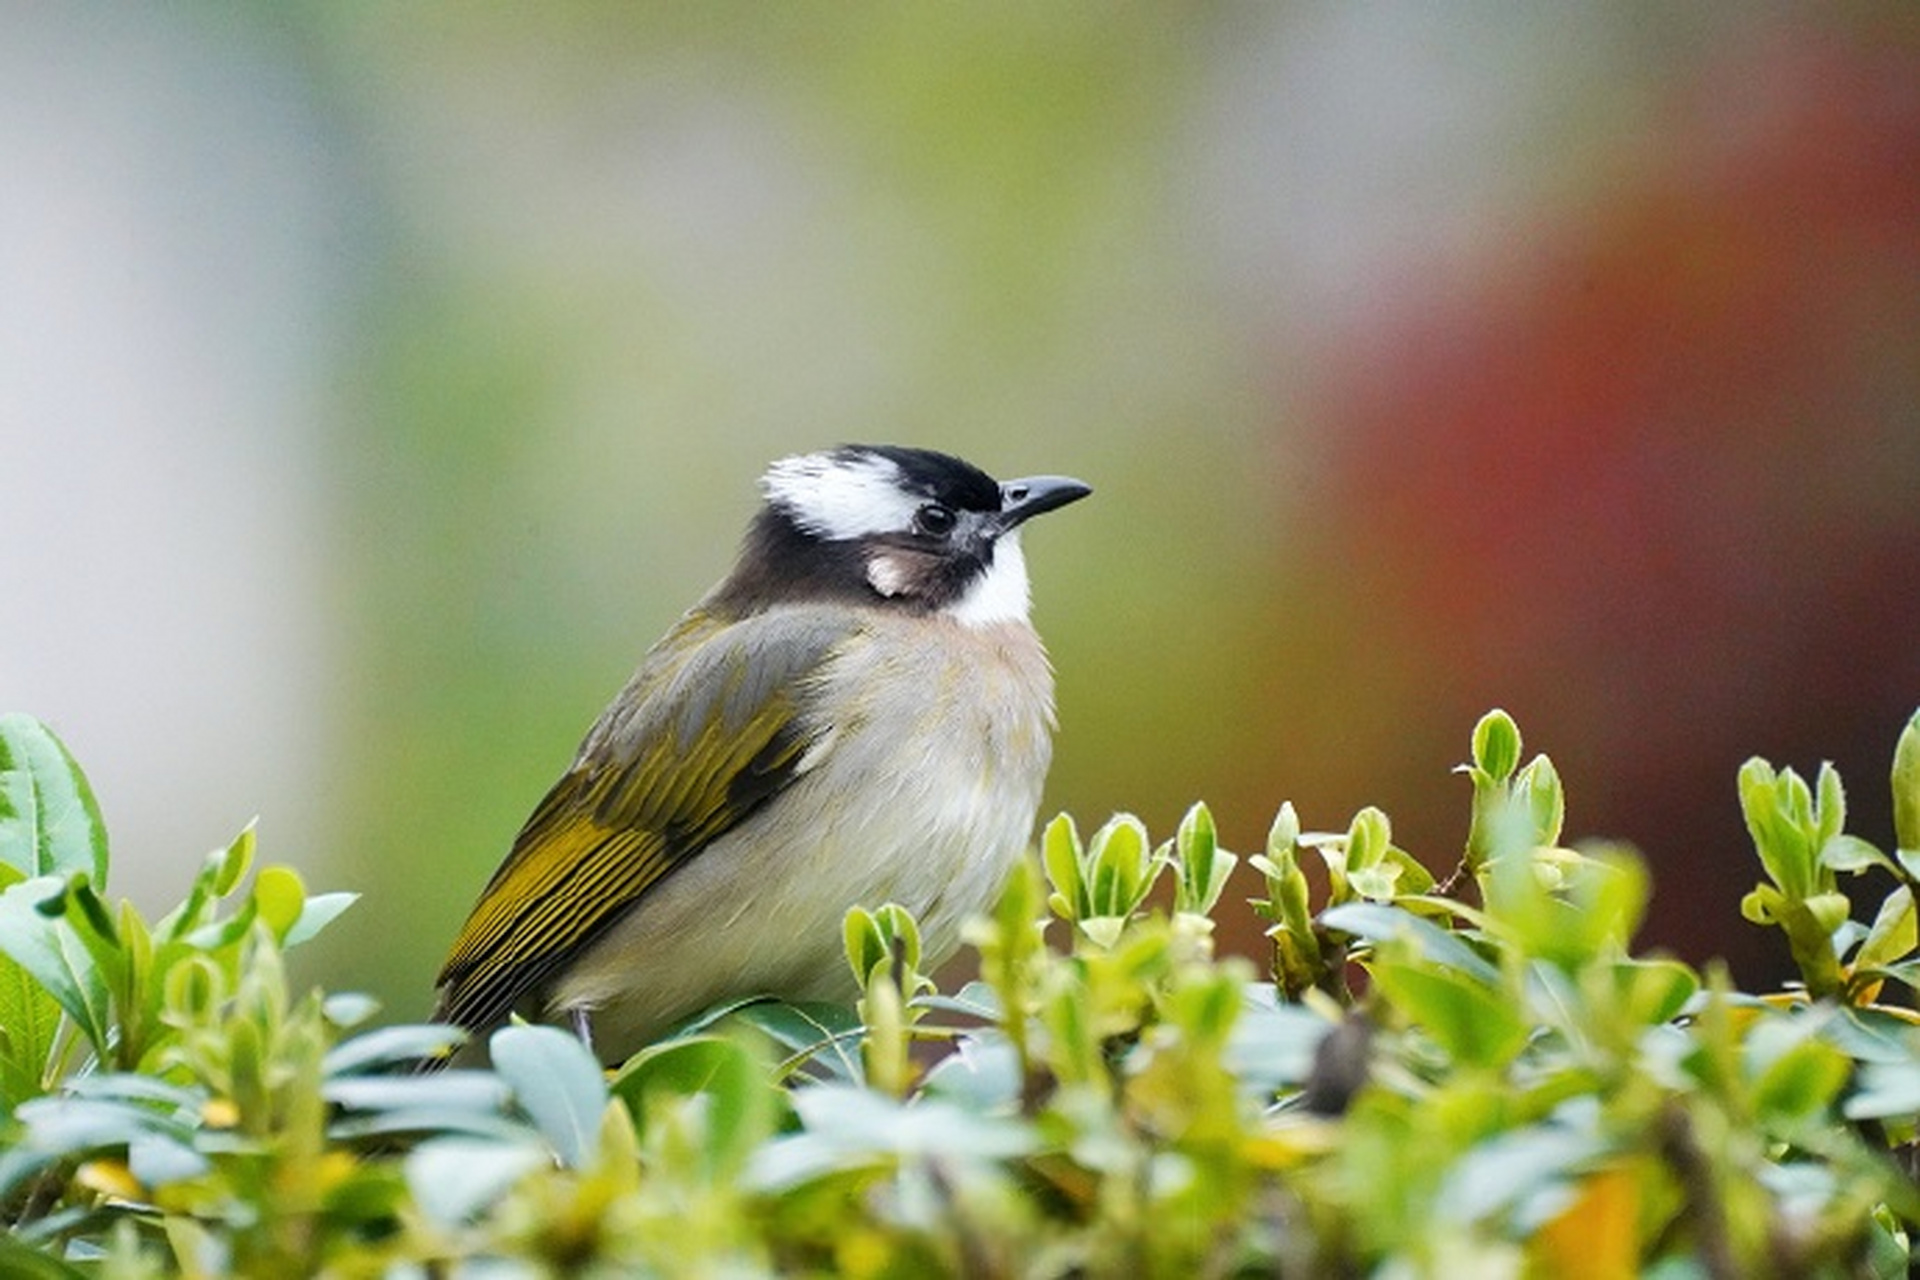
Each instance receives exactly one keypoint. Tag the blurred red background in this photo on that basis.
(1654, 487)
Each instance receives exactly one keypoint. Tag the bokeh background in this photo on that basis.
(376, 382)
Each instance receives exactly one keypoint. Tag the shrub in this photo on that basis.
(1470, 1077)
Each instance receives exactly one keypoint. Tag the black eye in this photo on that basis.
(934, 520)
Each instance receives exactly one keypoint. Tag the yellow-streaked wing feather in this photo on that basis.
(709, 729)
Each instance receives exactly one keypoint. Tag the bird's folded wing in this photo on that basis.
(712, 725)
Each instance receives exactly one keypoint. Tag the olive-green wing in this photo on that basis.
(710, 728)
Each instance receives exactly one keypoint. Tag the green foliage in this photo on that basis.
(1476, 1076)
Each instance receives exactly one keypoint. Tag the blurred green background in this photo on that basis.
(377, 381)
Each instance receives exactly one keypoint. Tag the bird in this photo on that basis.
(860, 712)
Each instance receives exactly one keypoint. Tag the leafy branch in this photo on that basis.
(1474, 1076)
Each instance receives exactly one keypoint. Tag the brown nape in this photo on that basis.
(779, 564)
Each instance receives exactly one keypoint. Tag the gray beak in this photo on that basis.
(1021, 500)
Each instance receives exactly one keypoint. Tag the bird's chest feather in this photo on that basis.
(920, 789)
(943, 723)
(929, 681)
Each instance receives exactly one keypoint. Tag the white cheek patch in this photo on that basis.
(840, 498)
(998, 595)
(887, 575)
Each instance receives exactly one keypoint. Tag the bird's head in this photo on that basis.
(899, 527)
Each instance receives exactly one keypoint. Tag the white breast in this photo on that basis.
(922, 792)
(1001, 593)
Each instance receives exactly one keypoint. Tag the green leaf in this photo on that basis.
(1284, 834)
(434, 1121)
(744, 1103)
(976, 1000)
(1121, 868)
(217, 935)
(454, 1178)
(872, 939)
(1762, 904)
(155, 1160)
(136, 941)
(1893, 934)
(29, 1023)
(18, 1163)
(247, 1058)
(1476, 1024)
(386, 1047)
(865, 947)
(846, 1128)
(1592, 911)
(194, 984)
(1497, 1175)
(696, 1064)
(1496, 745)
(93, 912)
(1811, 926)
(49, 950)
(348, 1009)
(81, 909)
(24, 1262)
(1830, 814)
(1204, 1006)
(1368, 838)
(1074, 1053)
(478, 1091)
(557, 1083)
(1852, 854)
(127, 1086)
(1296, 949)
(1104, 931)
(1906, 786)
(1203, 865)
(1060, 854)
(1769, 802)
(74, 1126)
(49, 820)
(1273, 1045)
(1829, 910)
(1654, 991)
(1196, 839)
(810, 1031)
(1608, 891)
(1800, 1082)
(280, 898)
(1378, 883)
(1904, 972)
(902, 933)
(220, 873)
(982, 1074)
(1885, 1090)
(1868, 1035)
(1411, 877)
(316, 913)
(230, 865)
(1380, 924)
(1537, 788)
